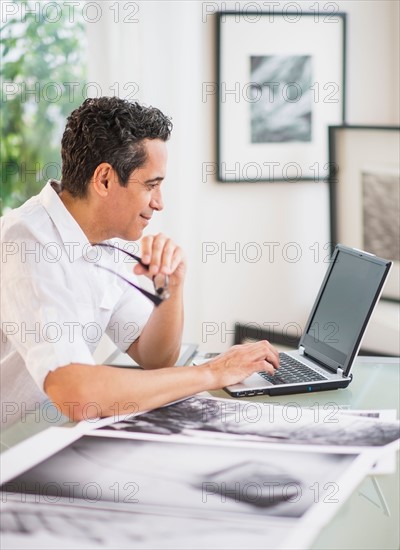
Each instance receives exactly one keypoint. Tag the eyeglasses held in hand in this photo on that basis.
(160, 281)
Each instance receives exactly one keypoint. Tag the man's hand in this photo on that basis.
(163, 256)
(241, 361)
(160, 340)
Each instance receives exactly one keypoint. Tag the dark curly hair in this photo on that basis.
(108, 129)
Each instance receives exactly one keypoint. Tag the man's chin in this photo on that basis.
(130, 235)
(134, 236)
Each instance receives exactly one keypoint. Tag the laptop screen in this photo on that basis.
(344, 305)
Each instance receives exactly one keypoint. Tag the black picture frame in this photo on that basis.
(364, 190)
(291, 147)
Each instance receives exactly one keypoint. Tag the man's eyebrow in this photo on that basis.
(158, 178)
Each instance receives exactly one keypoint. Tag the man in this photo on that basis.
(114, 160)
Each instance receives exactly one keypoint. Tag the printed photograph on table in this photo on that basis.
(202, 417)
(275, 103)
(365, 193)
(292, 493)
(66, 525)
(187, 478)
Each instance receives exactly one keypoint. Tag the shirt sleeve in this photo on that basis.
(40, 318)
(129, 317)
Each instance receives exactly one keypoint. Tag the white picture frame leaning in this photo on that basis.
(280, 84)
(365, 193)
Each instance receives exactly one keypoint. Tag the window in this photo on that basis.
(43, 72)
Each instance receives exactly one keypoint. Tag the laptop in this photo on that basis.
(334, 330)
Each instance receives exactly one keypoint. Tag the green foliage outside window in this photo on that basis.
(42, 74)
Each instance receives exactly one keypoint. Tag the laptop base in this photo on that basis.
(290, 389)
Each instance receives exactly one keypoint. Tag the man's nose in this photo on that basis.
(156, 202)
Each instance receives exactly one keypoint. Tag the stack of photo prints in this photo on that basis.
(199, 473)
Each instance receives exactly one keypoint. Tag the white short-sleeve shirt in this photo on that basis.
(55, 303)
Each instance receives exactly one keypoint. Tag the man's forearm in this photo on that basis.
(82, 391)
(159, 344)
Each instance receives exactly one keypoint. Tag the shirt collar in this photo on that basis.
(74, 239)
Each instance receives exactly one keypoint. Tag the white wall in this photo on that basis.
(168, 54)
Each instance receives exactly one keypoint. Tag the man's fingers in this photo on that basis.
(272, 355)
(262, 350)
(242, 360)
(167, 258)
(160, 254)
(267, 367)
(146, 246)
(273, 358)
(177, 259)
(151, 253)
(156, 254)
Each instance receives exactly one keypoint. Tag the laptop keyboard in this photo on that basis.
(291, 372)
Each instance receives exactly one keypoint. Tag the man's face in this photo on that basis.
(134, 205)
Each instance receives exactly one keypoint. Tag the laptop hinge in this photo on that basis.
(337, 370)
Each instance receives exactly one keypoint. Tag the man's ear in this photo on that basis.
(103, 177)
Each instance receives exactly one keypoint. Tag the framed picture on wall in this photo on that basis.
(281, 83)
(365, 193)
